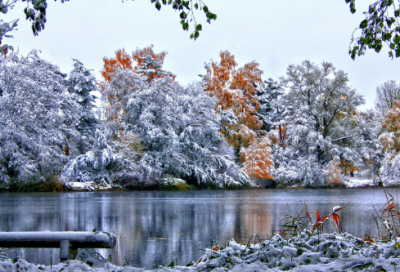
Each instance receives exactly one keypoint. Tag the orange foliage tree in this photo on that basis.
(258, 159)
(234, 89)
(390, 140)
(121, 72)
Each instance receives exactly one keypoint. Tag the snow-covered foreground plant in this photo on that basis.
(303, 252)
(387, 219)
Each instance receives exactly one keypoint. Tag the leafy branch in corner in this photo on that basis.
(186, 11)
(381, 25)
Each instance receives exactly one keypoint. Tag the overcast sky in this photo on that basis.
(273, 33)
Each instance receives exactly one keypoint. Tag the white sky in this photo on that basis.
(273, 33)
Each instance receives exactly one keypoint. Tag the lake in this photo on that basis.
(155, 227)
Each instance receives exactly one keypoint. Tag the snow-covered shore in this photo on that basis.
(304, 252)
(358, 182)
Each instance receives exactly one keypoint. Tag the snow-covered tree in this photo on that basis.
(38, 119)
(271, 111)
(390, 140)
(81, 84)
(180, 135)
(367, 143)
(322, 123)
(386, 94)
(178, 129)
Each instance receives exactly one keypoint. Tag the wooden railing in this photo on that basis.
(67, 241)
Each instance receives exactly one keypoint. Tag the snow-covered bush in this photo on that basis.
(98, 165)
(38, 119)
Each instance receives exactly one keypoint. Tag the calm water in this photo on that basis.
(158, 226)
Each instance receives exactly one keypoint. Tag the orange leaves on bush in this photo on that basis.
(257, 159)
(347, 167)
(333, 171)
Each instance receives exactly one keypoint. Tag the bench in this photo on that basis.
(68, 241)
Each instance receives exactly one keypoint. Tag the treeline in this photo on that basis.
(229, 129)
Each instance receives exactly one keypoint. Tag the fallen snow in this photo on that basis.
(304, 252)
(357, 182)
(87, 186)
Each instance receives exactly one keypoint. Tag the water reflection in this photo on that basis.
(154, 227)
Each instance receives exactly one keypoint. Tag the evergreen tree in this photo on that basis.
(81, 83)
(271, 111)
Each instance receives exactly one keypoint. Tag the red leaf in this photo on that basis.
(337, 220)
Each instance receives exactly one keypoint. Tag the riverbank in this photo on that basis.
(303, 252)
(170, 184)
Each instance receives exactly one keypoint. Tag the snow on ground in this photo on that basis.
(304, 252)
(358, 182)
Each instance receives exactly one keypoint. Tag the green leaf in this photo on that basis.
(152, 1)
(196, 6)
(196, 34)
(352, 7)
(169, 2)
(191, 36)
(364, 23)
(214, 16)
(205, 8)
(397, 52)
(185, 26)
(183, 15)
(158, 5)
(164, 2)
(392, 45)
(396, 39)
(198, 27)
(371, 9)
(171, 265)
(378, 48)
(397, 13)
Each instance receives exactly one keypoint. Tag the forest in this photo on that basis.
(230, 128)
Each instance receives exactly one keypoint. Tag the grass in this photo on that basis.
(51, 184)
